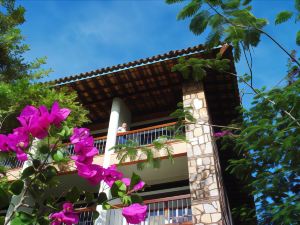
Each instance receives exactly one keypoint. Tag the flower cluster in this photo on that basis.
(67, 216)
(85, 151)
(35, 122)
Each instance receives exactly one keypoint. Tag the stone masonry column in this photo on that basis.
(204, 183)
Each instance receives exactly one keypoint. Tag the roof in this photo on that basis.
(139, 62)
(150, 88)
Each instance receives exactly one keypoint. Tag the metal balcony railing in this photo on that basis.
(11, 162)
(164, 211)
(146, 136)
(99, 143)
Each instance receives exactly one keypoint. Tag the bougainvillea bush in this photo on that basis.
(39, 140)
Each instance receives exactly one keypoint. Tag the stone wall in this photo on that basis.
(202, 161)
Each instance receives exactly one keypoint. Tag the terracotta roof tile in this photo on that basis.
(168, 55)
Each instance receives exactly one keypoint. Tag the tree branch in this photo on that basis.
(258, 29)
(269, 100)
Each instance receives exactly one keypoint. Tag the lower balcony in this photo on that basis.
(175, 210)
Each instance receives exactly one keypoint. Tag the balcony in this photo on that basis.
(141, 137)
(174, 210)
(146, 136)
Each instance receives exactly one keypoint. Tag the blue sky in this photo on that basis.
(79, 36)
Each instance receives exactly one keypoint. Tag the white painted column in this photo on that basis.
(118, 110)
(112, 130)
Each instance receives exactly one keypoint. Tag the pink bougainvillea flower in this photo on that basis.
(67, 218)
(57, 115)
(86, 147)
(68, 207)
(85, 151)
(126, 181)
(4, 146)
(222, 134)
(82, 159)
(93, 173)
(135, 213)
(35, 121)
(18, 141)
(21, 156)
(79, 134)
(139, 186)
(27, 114)
(111, 174)
(39, 127)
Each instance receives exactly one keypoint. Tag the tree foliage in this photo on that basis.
(267, 138)
(19, 80)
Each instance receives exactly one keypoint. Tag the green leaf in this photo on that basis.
(173, 1)
(106, 206)
(95, 215)
(3, 169)
(43, 220)
(189, 10)
(16, 187)
(215, 21)
(134, 180)
(89, 197)
(73, 195)
(22, 218)
(65, 132)
(50, 171)
(213, 39)
(27, 172)
(136, 198)
(283, 17)
(58, 156)
(101, 198)
(44, 149)
(118, 189)
(126, 200)
(298, 38)
(36, 163)
(41, 177)
(17, 221)
(2, 220)
(230, 4)
(199, 22)
(246, 2)
(4, 198)
(297, 5)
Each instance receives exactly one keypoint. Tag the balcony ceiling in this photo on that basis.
(149, 87)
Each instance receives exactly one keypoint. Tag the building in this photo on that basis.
(196, 189)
